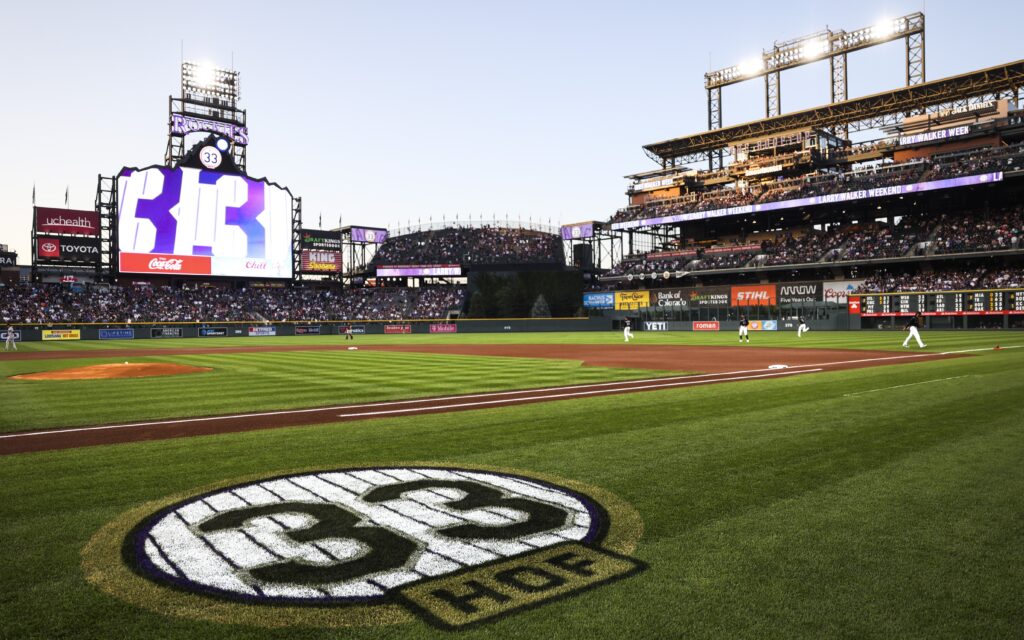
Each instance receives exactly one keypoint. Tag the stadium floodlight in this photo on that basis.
(205, 74)
(883, 29)
(203, 81)
(813, 49)
(751, 66)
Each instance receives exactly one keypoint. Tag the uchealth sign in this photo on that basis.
(799, 292)
(757, 295)
(53, 249)
(626, 300)
(67, 221)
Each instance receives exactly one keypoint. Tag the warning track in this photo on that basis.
(52, 439)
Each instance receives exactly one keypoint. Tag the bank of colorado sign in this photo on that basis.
(367, 546)
(54, 249)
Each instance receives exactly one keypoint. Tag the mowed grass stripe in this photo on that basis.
(263, 381)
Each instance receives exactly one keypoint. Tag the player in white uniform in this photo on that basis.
(912, 331)
(803, 328)
(627, 332)
(744, 333)
(10, 343)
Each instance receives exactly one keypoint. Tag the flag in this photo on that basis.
(33, 194)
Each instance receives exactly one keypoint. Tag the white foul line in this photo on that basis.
(573, 394)
(900, 386)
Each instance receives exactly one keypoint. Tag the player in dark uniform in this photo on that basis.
(802, 328)
(912, 331)
(744, 331)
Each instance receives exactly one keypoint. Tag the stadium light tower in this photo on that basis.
(835, 45)
(208, 103)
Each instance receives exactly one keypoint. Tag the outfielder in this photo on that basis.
(10, 343)
(744, 333)
(803, 328)
(627, 331)
(912, 331)
(348, 333)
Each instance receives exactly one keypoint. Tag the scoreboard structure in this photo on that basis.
(980, 302)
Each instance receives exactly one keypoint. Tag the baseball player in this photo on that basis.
(348, 333)
(802, 328)
(912, 331)
(10, 343)
(627, 331)
(744, 333)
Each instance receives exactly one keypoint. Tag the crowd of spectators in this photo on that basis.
(979, 232)
(824, 183)
(54, 303)
(471, 246)
(949, 280)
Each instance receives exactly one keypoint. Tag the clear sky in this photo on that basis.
(386, 112)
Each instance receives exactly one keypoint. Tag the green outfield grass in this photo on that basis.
(882, 502)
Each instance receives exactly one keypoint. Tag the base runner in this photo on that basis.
(803, 328)
(627, 331)
(912, 331)
(744, 332)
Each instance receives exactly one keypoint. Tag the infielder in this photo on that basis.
(912, 331)
(627, 331)
(10, 343)
(803, 328)
(348, 333)
(744, 333)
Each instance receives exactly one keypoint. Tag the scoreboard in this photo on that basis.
(995, 302)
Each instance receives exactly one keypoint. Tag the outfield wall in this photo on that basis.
(177, 330)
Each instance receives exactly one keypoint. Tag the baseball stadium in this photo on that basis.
(774, 391)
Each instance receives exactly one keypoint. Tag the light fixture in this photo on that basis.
(751, 66)
(205, 75)
(883, 29)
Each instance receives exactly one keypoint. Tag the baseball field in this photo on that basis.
(515, 486)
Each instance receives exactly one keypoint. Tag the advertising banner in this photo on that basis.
(355, 329)
(368, 234)
(86, 223)
(655, 326)
(5, 333)
(62, 334)
(185, 221)
(8, 258)
(398, 328)
(320, 261)
(705, 325)
(709, 297)
(444, 327)
(627, 300)
(213, 332)
(263, 331)
(763, 325)
(853, 306)
(755, 295)
(316, 239)
(307, 329)
(831, 198)
(670, 298)
(165, 332)
(799, 293)
(578, 231)
(837, 291)
(419, 270)
(52, 249)
(599, 300)
(183, 125)
(117, 334)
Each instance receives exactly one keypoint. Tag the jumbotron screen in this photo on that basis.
(203, 223)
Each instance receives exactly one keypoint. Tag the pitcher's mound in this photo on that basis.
(108, 371)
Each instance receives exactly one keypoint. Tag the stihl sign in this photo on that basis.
(753, 296)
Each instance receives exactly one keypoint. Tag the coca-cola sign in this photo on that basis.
(74, 221)
(165, 264)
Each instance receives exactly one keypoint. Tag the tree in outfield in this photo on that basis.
(540, 308)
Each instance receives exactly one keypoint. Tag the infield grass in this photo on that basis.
(782, 508)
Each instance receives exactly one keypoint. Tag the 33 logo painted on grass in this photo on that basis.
(454, 546)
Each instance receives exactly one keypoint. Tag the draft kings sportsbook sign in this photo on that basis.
(365, 546)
